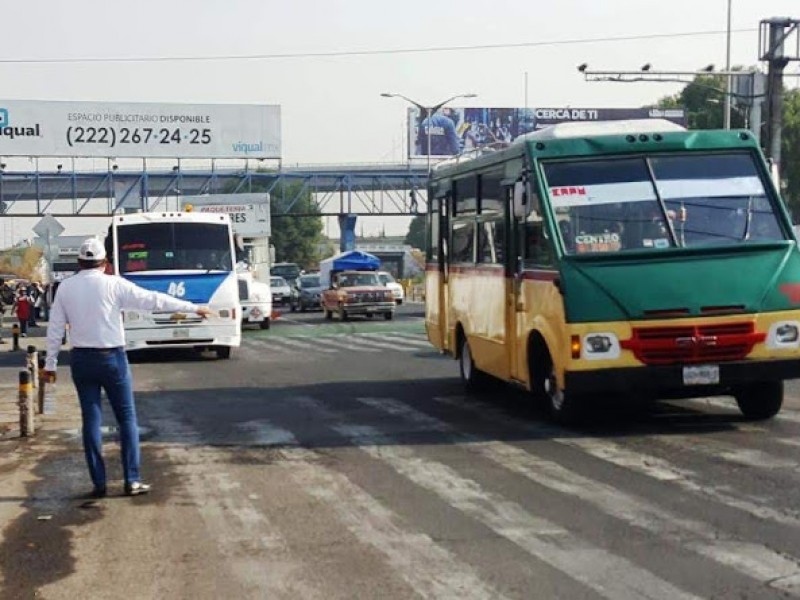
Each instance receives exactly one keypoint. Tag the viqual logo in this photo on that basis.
(247, 148)
(6, 129)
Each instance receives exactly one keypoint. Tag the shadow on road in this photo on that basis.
(233, 416)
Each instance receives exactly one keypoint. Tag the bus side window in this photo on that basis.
(536, 245)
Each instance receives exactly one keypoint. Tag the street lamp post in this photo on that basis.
(429, 112)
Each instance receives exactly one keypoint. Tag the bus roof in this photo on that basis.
(170, 217)
(594, 128)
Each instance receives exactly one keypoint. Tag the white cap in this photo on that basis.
(92, 249)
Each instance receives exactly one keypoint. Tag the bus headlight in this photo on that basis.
(131, 316)
(784, 334)
(600, 346)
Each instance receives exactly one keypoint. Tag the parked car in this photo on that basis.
(306, 293)
(281, 294)
(391, 283)
(357, 293)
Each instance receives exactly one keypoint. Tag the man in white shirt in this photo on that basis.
(92, 302)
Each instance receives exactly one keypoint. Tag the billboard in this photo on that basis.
(139, 130)
(456, 130)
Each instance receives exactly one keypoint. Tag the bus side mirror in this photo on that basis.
(520, 200)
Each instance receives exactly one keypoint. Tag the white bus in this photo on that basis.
(187, 255)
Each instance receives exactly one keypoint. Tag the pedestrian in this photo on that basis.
(23, 307)
(33, 297)
(91, 303)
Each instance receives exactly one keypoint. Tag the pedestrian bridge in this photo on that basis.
(361, 189)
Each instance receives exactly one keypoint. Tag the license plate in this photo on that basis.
(371, 309)
(180, 333)
(701, 375)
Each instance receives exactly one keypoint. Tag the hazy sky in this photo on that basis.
(332, 110)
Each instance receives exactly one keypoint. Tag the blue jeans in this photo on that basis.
(108, 369)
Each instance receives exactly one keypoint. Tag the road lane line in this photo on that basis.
(751, 559)
(634, 460)
(608, 575)
(431, 570)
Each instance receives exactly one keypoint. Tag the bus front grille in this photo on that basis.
(693, 343)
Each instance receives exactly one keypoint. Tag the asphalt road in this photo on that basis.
(342, 460)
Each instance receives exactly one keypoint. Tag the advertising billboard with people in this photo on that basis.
(454, 130)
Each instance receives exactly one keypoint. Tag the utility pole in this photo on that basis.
(773, 34)
(729, 78)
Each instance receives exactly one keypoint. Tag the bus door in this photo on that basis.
(436, 275)
(534, 270)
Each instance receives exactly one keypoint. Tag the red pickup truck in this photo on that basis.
(357, 293)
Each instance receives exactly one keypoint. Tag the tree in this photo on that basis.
(790, 150)
(296, 238)
(704, 102)
(416, 232)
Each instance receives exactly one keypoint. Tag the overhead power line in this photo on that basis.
(374, 52)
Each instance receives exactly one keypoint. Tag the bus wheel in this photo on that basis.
(223, 352)
(563, 406)
(264, 324)
(759, 401)
(327, 314)
(388, 316)
(472, 377)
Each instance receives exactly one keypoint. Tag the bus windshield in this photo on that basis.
(174, 246)
(660, 202)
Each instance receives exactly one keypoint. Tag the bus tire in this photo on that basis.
(223, 352)
(471, 376)
(759, 401)
(562, 406)
(388, 316)
(327, 314)
(265, 324)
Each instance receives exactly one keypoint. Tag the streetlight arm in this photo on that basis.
(441, 104)
(407, 99)
(425, 109)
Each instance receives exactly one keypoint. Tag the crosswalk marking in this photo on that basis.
(790, 416)
(719, 450)
(362, 339)
(754, 560)
(265, 345)
(427, 567)
(332, 344)
(407, 340)
(231, 518)
(609, 575)
(637, 461)
(305, 346)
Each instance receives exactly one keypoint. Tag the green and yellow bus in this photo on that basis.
(598, 259)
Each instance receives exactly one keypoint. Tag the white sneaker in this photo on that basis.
(136, 488)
